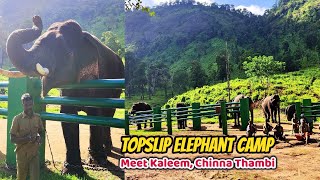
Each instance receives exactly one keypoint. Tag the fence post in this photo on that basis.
(223, 115)
(244, 113)
(126, 124)
(307, 111)
(157, 117)
(17, 87)
(196, 119)
(169, 121)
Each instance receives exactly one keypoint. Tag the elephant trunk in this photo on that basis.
(21, 58)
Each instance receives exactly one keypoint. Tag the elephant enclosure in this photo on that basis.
(295, 160)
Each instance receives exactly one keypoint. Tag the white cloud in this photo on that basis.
(253, 8)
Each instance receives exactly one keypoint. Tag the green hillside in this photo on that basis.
(291, 87)
(183, 32)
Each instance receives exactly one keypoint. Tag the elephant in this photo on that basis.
(181, 116)
(270, 107)
(65, 54)
(138, 107)
(237, 114)
(290, 111)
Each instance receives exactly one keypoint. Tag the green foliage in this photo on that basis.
(291, 87)
(110, 39)
(197, 75)
(262, 66)
(183, 31)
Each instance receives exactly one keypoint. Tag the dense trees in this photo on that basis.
(184, 31)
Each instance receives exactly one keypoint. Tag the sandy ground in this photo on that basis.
(295, 160)
(57, 141)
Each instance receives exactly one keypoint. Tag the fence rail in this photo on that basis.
(194, 112)
(18, 86)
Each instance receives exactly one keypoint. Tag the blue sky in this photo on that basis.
(255, 6)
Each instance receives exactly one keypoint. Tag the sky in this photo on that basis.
(255, 6)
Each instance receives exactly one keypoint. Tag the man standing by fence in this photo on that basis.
(25, 133)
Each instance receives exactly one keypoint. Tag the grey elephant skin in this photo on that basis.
(290, 110)
(70, 55)
(271, 108)
(237, 114)
(138, 107)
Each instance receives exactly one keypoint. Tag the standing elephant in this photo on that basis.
(140, 107)
(271, 107)
(182, 115)
(290, 111)
(62, 55)
(237, 114)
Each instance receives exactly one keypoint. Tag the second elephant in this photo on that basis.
(271, 107)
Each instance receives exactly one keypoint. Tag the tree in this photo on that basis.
(131, 64)
(179, 81)
(221, 63)
(262, 67)
(111, 40)
(197, 75)
(157, 75)
(137, 5)
(140, 80)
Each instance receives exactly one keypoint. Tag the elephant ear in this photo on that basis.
(95, 43)
(93, 40)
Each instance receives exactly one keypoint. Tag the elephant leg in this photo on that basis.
(97, 154)
(145, 124)
(274, 116)
(139, 126)
(151, 124)
(183, 124)
(72, 163)
(238, 119)
(266, 115)
(100, 138)
(179, 124)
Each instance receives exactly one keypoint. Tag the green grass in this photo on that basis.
(291, 87)
(157, 100)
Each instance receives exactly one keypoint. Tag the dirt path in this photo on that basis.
(294, 161)
(57, 141)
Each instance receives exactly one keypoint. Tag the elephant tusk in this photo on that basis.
(41, 70)
(11, 74)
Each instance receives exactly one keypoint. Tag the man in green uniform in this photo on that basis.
(25, 133)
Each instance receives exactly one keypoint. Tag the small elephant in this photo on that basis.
(139, 107)
(237, 114)
(290, 111)
(181, 116)
(271, 107)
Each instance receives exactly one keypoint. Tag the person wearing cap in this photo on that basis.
(25, 133)
(304, 125)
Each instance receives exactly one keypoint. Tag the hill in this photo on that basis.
(291, 87)
(185, 31)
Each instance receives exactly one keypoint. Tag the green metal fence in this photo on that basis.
(19, 86)
(195, 112)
